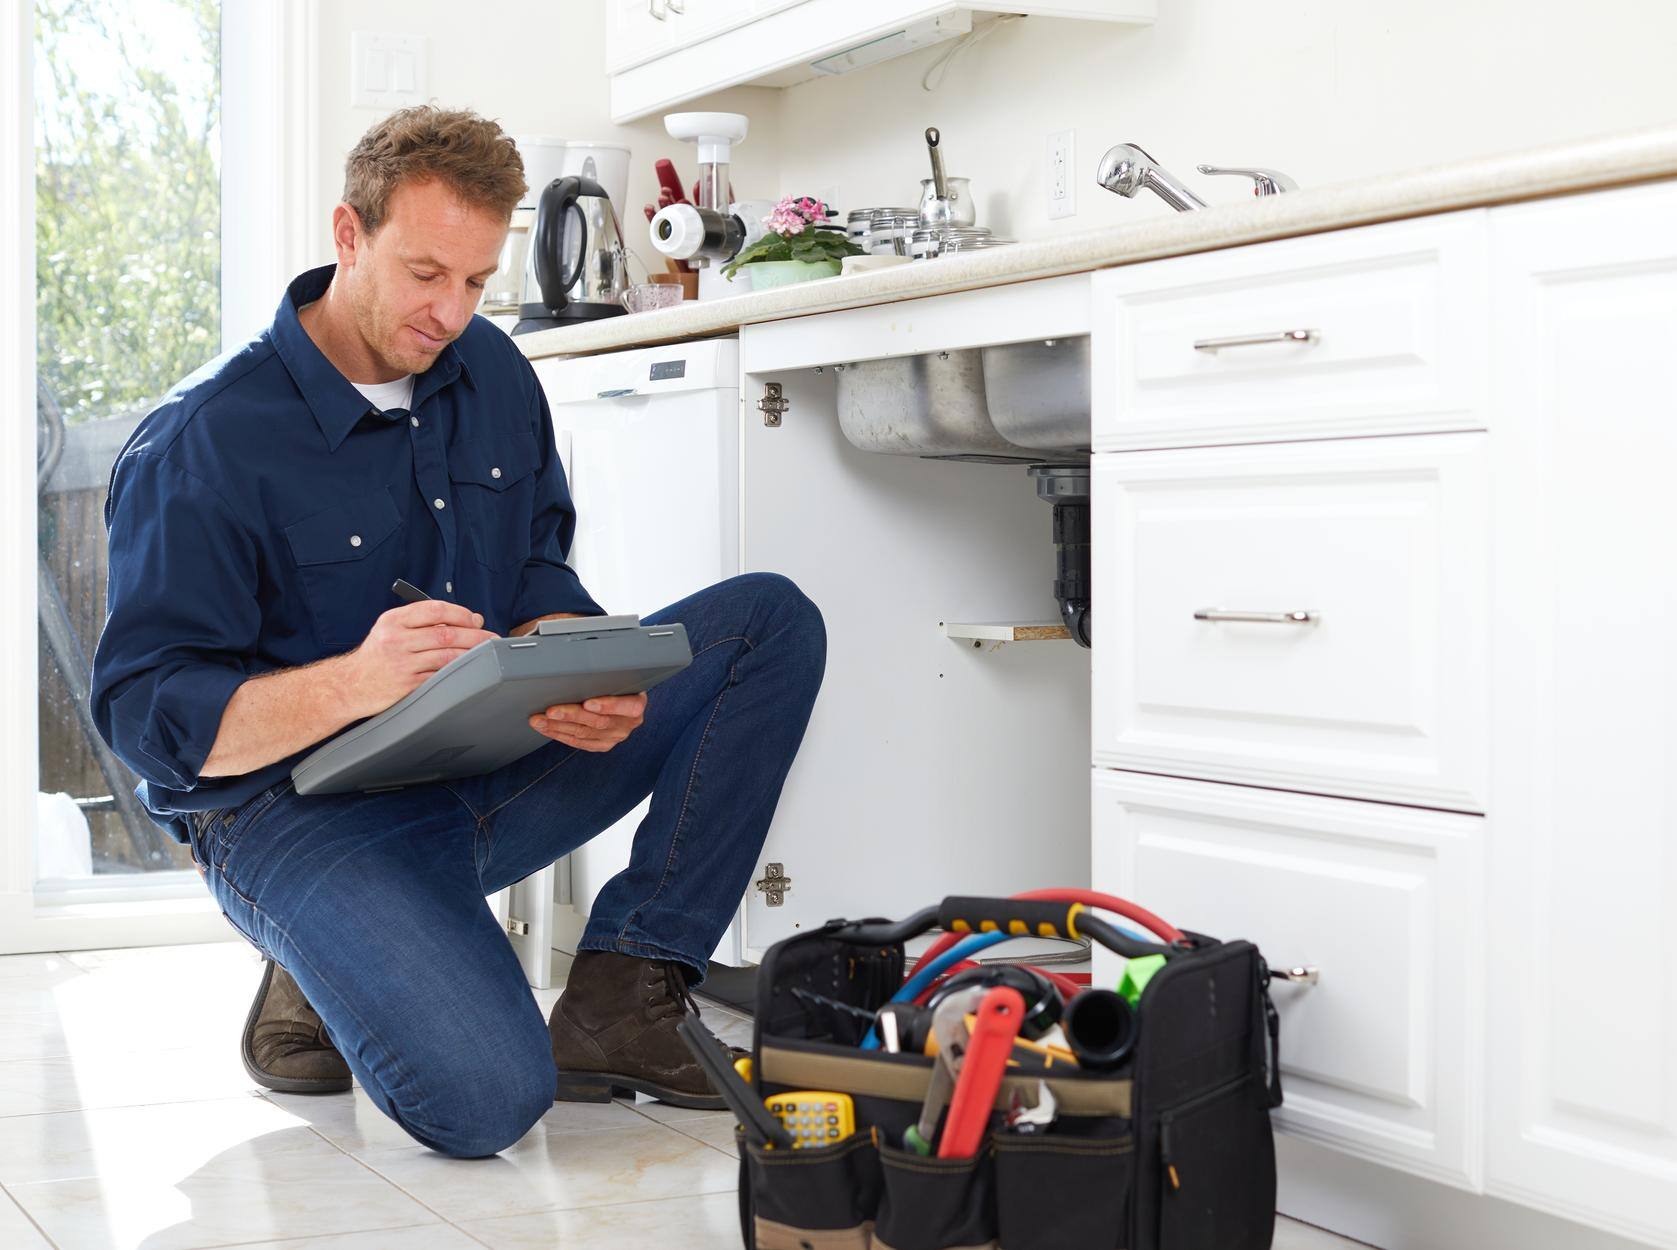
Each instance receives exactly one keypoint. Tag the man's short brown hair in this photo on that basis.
(470, 154)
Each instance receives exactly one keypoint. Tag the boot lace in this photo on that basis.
(672, 998)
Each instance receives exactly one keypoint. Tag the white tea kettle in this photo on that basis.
(577, 267)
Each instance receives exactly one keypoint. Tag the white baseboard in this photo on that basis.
(1396, 1211)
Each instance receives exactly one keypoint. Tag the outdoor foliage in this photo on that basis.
(128, 198)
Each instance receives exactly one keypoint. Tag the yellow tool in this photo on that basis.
(814, 1117)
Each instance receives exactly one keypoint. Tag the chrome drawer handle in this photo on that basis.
(1307, 975)
(656, 8)
(1253, 340)
(1258, 618)
(677, 6)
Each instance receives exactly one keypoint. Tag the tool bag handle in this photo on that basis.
(1017, 917)
(960, 913)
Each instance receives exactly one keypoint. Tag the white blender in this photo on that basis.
(713, 231)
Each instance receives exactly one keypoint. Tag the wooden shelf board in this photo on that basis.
(1006, 631)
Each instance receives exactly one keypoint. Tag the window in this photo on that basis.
(127, 100)
(155, 182)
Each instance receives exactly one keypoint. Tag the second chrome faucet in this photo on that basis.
(1127, 168)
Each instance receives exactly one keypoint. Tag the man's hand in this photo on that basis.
(595, 725)
(405, 646)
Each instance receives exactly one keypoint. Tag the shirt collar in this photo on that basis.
(336, 404)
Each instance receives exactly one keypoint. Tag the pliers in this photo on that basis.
(949, 1028)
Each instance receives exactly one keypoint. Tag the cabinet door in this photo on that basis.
(1583, 989)
(1380, 1057)
(700, 19)
(1306, 616)
(637, 31)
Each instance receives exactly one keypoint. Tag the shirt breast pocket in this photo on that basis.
(346, 560)
(495, 486)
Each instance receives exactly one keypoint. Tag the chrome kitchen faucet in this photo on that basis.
(1126, 169)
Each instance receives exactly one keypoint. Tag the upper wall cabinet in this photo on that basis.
(661, 54)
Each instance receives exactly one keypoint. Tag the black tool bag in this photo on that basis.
(1171, 1151)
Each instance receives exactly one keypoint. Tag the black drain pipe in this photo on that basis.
(1066, 486)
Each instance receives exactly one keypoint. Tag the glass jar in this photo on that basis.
(890, 230)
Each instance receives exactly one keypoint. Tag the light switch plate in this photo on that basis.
(1062, 166)
(386, 71)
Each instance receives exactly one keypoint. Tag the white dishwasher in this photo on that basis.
(650, 444)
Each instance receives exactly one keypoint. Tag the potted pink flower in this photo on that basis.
(799, 246)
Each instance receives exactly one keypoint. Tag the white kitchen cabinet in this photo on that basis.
(1497, 1008)
(636, 31)
(1378, 330)
(1583, 988)
(1380, 1056)
(639, 30)
(662, 54)
(1304, 616)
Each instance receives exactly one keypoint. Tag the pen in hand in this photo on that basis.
(407, 592)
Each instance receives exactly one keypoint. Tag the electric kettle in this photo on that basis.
(576, 268)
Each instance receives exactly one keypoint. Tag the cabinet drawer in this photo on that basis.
(1378, 1055)
(1395, 316)
(1381, 543)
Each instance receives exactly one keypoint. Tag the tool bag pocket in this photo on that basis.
(1054, 1192)
(819, 1198)
(1216, 1171)
(935, 1204)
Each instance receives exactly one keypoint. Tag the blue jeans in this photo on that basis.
(375, 903)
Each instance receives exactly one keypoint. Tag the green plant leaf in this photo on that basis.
(811, 245)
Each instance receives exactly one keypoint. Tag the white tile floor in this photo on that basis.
(127, 1122)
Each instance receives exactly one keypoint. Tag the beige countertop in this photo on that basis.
(1612, 160)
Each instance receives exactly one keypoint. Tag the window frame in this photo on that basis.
(269, 136)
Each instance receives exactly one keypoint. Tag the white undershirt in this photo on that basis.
(387, 395)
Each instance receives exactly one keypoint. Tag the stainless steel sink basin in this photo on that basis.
(1038, 393)
(931, 406)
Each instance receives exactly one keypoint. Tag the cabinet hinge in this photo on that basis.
(517, 927)
(775, 883)
(773, 405)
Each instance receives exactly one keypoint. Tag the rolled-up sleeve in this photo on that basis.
(181, 623)
(547, 584)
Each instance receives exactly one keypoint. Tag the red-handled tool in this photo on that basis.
(991, 1041)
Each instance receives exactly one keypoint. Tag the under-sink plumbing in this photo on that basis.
(1012, 403)
(1066, 486)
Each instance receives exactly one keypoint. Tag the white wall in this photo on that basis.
(536, 67)
(1326, 90)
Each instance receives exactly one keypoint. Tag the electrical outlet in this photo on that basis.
(1062, 162)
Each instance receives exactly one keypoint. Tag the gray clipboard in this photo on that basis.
(472, 716)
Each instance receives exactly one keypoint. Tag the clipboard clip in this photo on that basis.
(586, 625)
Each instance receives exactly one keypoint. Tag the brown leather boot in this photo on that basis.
(285, 1045)
(614, 1033)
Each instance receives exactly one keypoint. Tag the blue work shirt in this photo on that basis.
(259, 515)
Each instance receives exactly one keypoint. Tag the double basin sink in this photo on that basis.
(1014, 402)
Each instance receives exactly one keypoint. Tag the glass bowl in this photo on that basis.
(645, 296)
